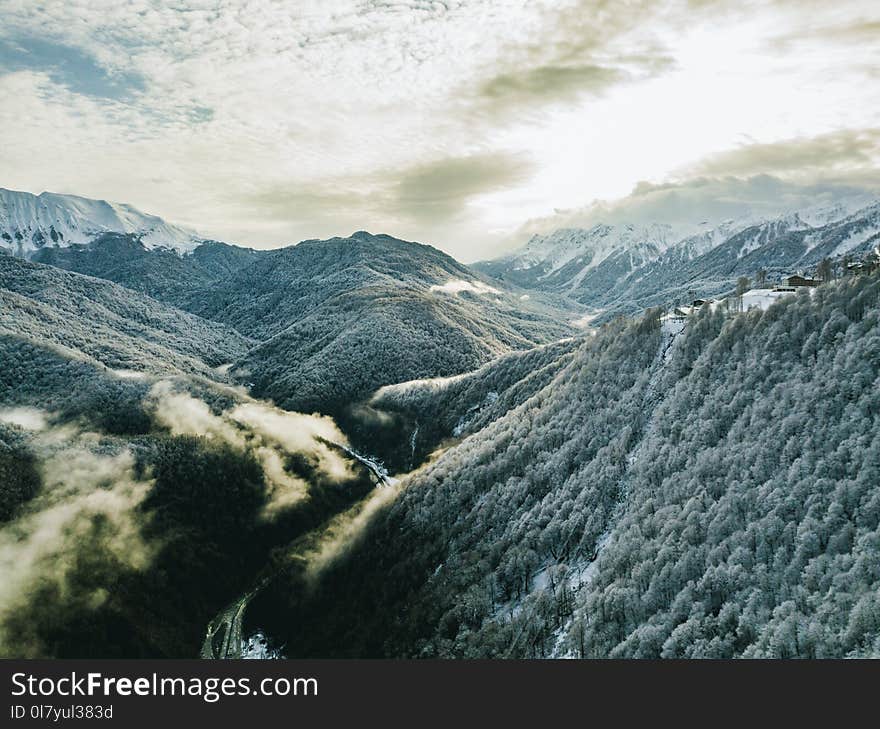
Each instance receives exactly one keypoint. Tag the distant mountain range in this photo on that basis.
(619, 268)
(627, 268)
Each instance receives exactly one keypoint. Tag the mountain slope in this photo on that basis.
(102, 322)
(30, 222)
(564, 259)
(341, 318)
(138, 492)
(332, 320)
(282, 285)
(705, 492)
(433, 410)
(161, 273)
(779, 247)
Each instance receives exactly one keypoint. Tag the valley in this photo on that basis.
(360, 447)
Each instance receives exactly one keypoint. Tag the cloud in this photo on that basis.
(183, 414)
(584, 321)
(549, 83)
(69, 66)
(857, 30)
(413, 201)
(576, 50)
(367, 88)
(86, 516)
(25, 417)
(285, 489)
(437, 191)
(840, 151)
(291, 203)
(693, 204)
(452, 123)
(85, 510)
(129, 374)
(271, 435)
(342, 532)
(298, 433)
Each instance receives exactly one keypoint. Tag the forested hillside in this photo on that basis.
(331, 321)
(710, 491)
(161, 273)
(138, 493)
(101, 322)
(425, 413)
(132, 510)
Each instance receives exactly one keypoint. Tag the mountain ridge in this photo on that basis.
(407, 309)
(645, 269)
(29, 222)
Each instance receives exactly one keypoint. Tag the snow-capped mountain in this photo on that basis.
(630, 267)
(553, 252)
(30, 222)
(823, 214)
(571, 259)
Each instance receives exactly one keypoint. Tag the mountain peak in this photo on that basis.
(30, 222)
(558, 249)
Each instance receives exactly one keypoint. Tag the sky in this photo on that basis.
(467, 124)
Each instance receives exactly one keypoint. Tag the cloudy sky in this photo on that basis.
(462, 123)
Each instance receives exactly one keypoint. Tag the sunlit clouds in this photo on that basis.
(463, 124)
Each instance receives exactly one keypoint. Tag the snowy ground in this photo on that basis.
(671, 326)
(762, 298)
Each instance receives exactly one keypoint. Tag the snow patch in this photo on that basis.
(129, 374)
(763, 299)
(672, 325)
(458, 285)
(584, 573)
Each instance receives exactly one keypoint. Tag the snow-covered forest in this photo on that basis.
(711, 493)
